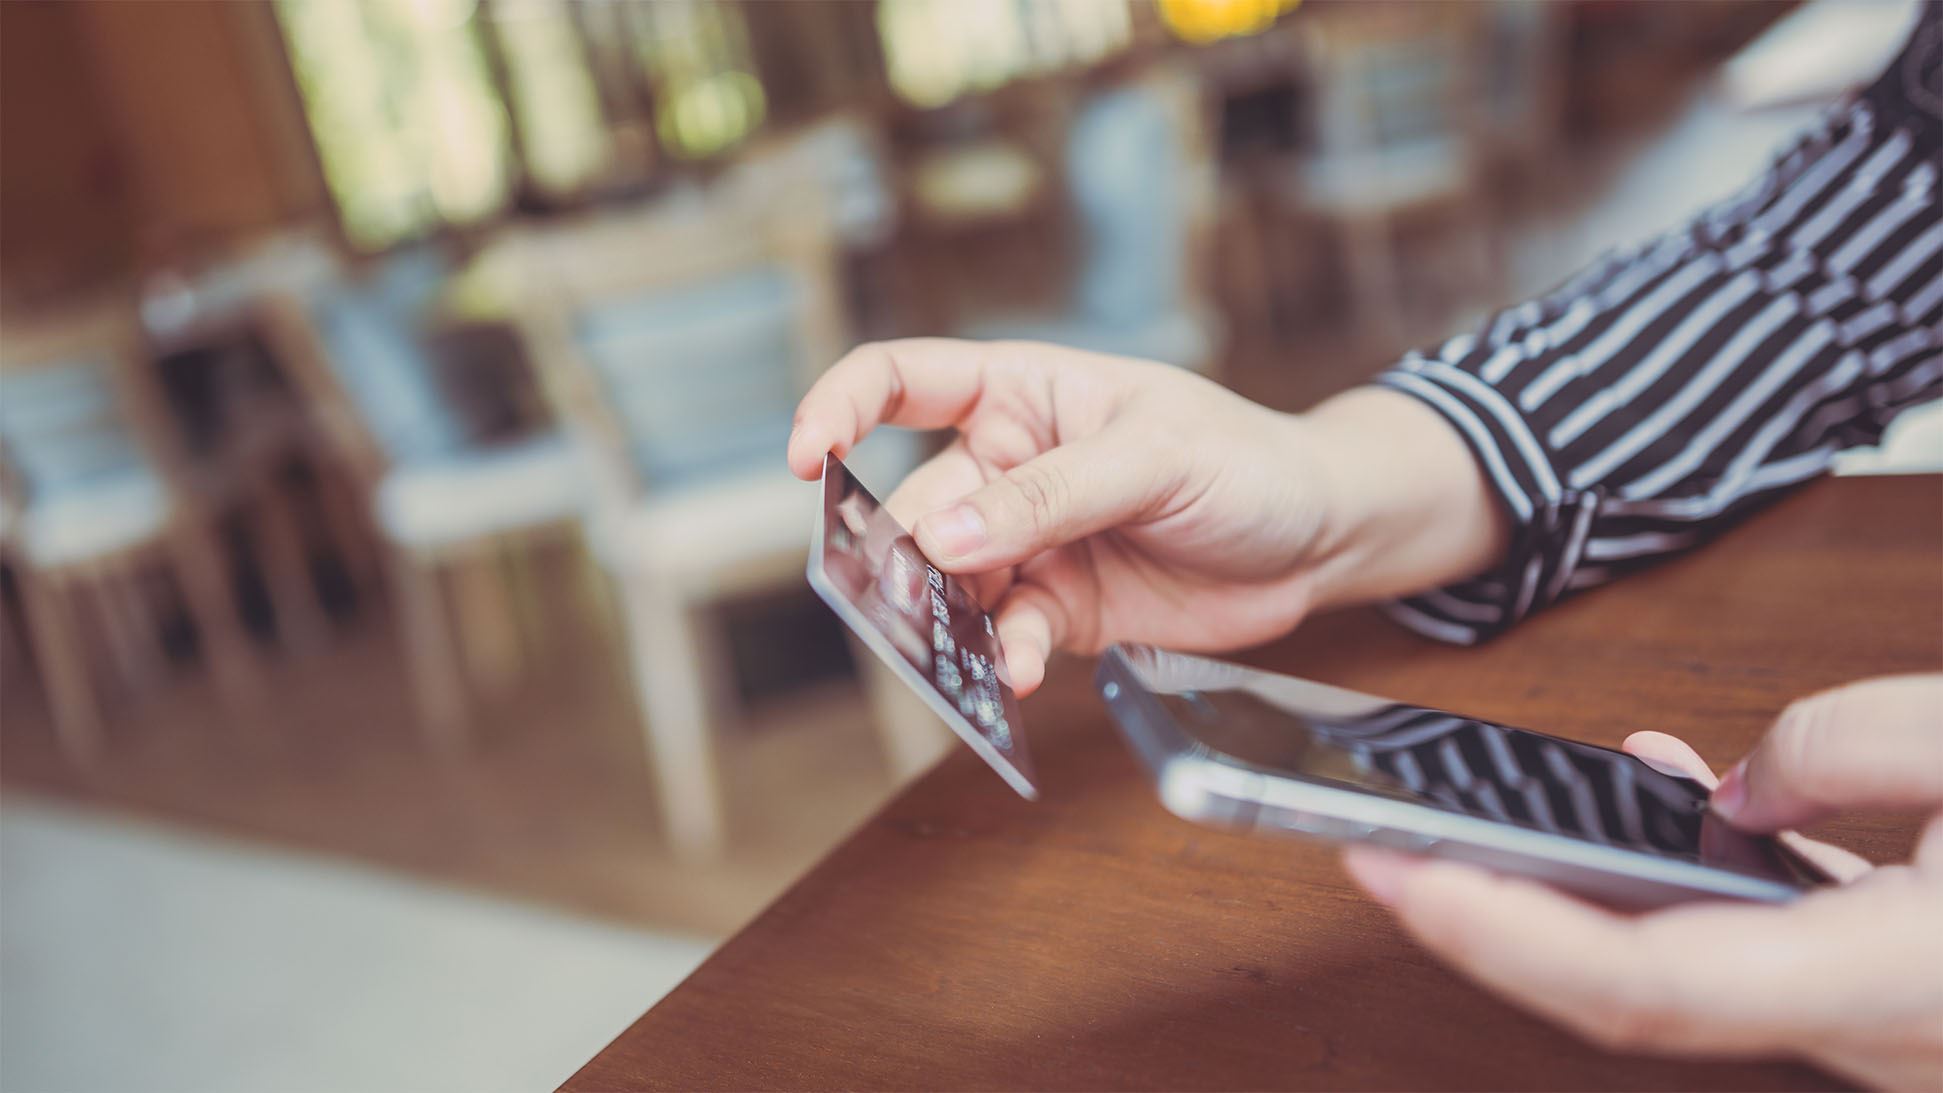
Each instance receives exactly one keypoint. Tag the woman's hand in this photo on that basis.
(1850, 978)
(1095, 499)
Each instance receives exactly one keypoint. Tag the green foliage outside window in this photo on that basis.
(707, 95)
(554, 98)
(403, 111)
(938, 50)
(432, 112)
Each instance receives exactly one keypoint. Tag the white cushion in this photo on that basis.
(532, 483)
(759, 519)
(736, 530)
(1913, 444)
(93, 518)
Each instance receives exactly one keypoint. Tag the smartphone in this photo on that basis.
(918, 620)
(1238, 747)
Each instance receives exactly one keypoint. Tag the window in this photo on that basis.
(937, 50)
(403, 110)
(429, 113)
(434, 112)
(555, 103)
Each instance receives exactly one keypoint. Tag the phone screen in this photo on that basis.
(1291, 727)
(918, 620)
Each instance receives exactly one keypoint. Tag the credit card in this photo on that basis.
(920, 621)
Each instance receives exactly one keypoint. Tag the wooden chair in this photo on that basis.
(448, 505)
(100, 502)
(253, 449)
(1399, 137)
(677, 342)
(1139, 174)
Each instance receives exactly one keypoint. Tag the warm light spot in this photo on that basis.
(1200, 21)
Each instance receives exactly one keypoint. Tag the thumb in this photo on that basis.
(1066, 494)
(1876, 744)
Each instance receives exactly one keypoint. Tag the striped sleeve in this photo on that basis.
(1669, 390)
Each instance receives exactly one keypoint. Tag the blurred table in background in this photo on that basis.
(967, 938)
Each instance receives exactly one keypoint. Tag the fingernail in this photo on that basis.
(808, 435)
(957, 531)
(1731, 797)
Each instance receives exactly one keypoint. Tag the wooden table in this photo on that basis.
(964, 938)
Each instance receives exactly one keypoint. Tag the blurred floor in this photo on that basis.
(144, 959)
(554, 807)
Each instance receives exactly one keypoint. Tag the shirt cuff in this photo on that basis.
(1549, 520)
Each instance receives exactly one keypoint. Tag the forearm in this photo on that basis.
(1407, 505)
(1659, 396)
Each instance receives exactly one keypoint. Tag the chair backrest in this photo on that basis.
(846, 156)
(1135, 160)
(1397, 113)
(684, 335)
(356, 344)
(372, 331)
(700, 377)
(65, 418)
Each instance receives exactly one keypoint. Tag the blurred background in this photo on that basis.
(406, 669)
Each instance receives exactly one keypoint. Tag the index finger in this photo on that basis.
(921, 383)
(1874, 744)
(1672, 755)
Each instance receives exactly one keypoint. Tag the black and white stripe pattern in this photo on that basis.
(1489, 771)
(1669, 390)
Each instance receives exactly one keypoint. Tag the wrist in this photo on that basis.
(1405, 506)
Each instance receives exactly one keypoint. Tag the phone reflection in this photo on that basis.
(1288, 726)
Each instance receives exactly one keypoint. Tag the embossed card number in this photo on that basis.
(918, 620)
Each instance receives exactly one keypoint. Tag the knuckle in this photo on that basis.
(1806, 729)
(1042, 495)
(862, 355)
(1814, 717)
(1633, 1023)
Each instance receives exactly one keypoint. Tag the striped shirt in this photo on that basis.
(1670, 389)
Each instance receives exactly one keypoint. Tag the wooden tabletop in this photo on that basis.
(965, 938)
